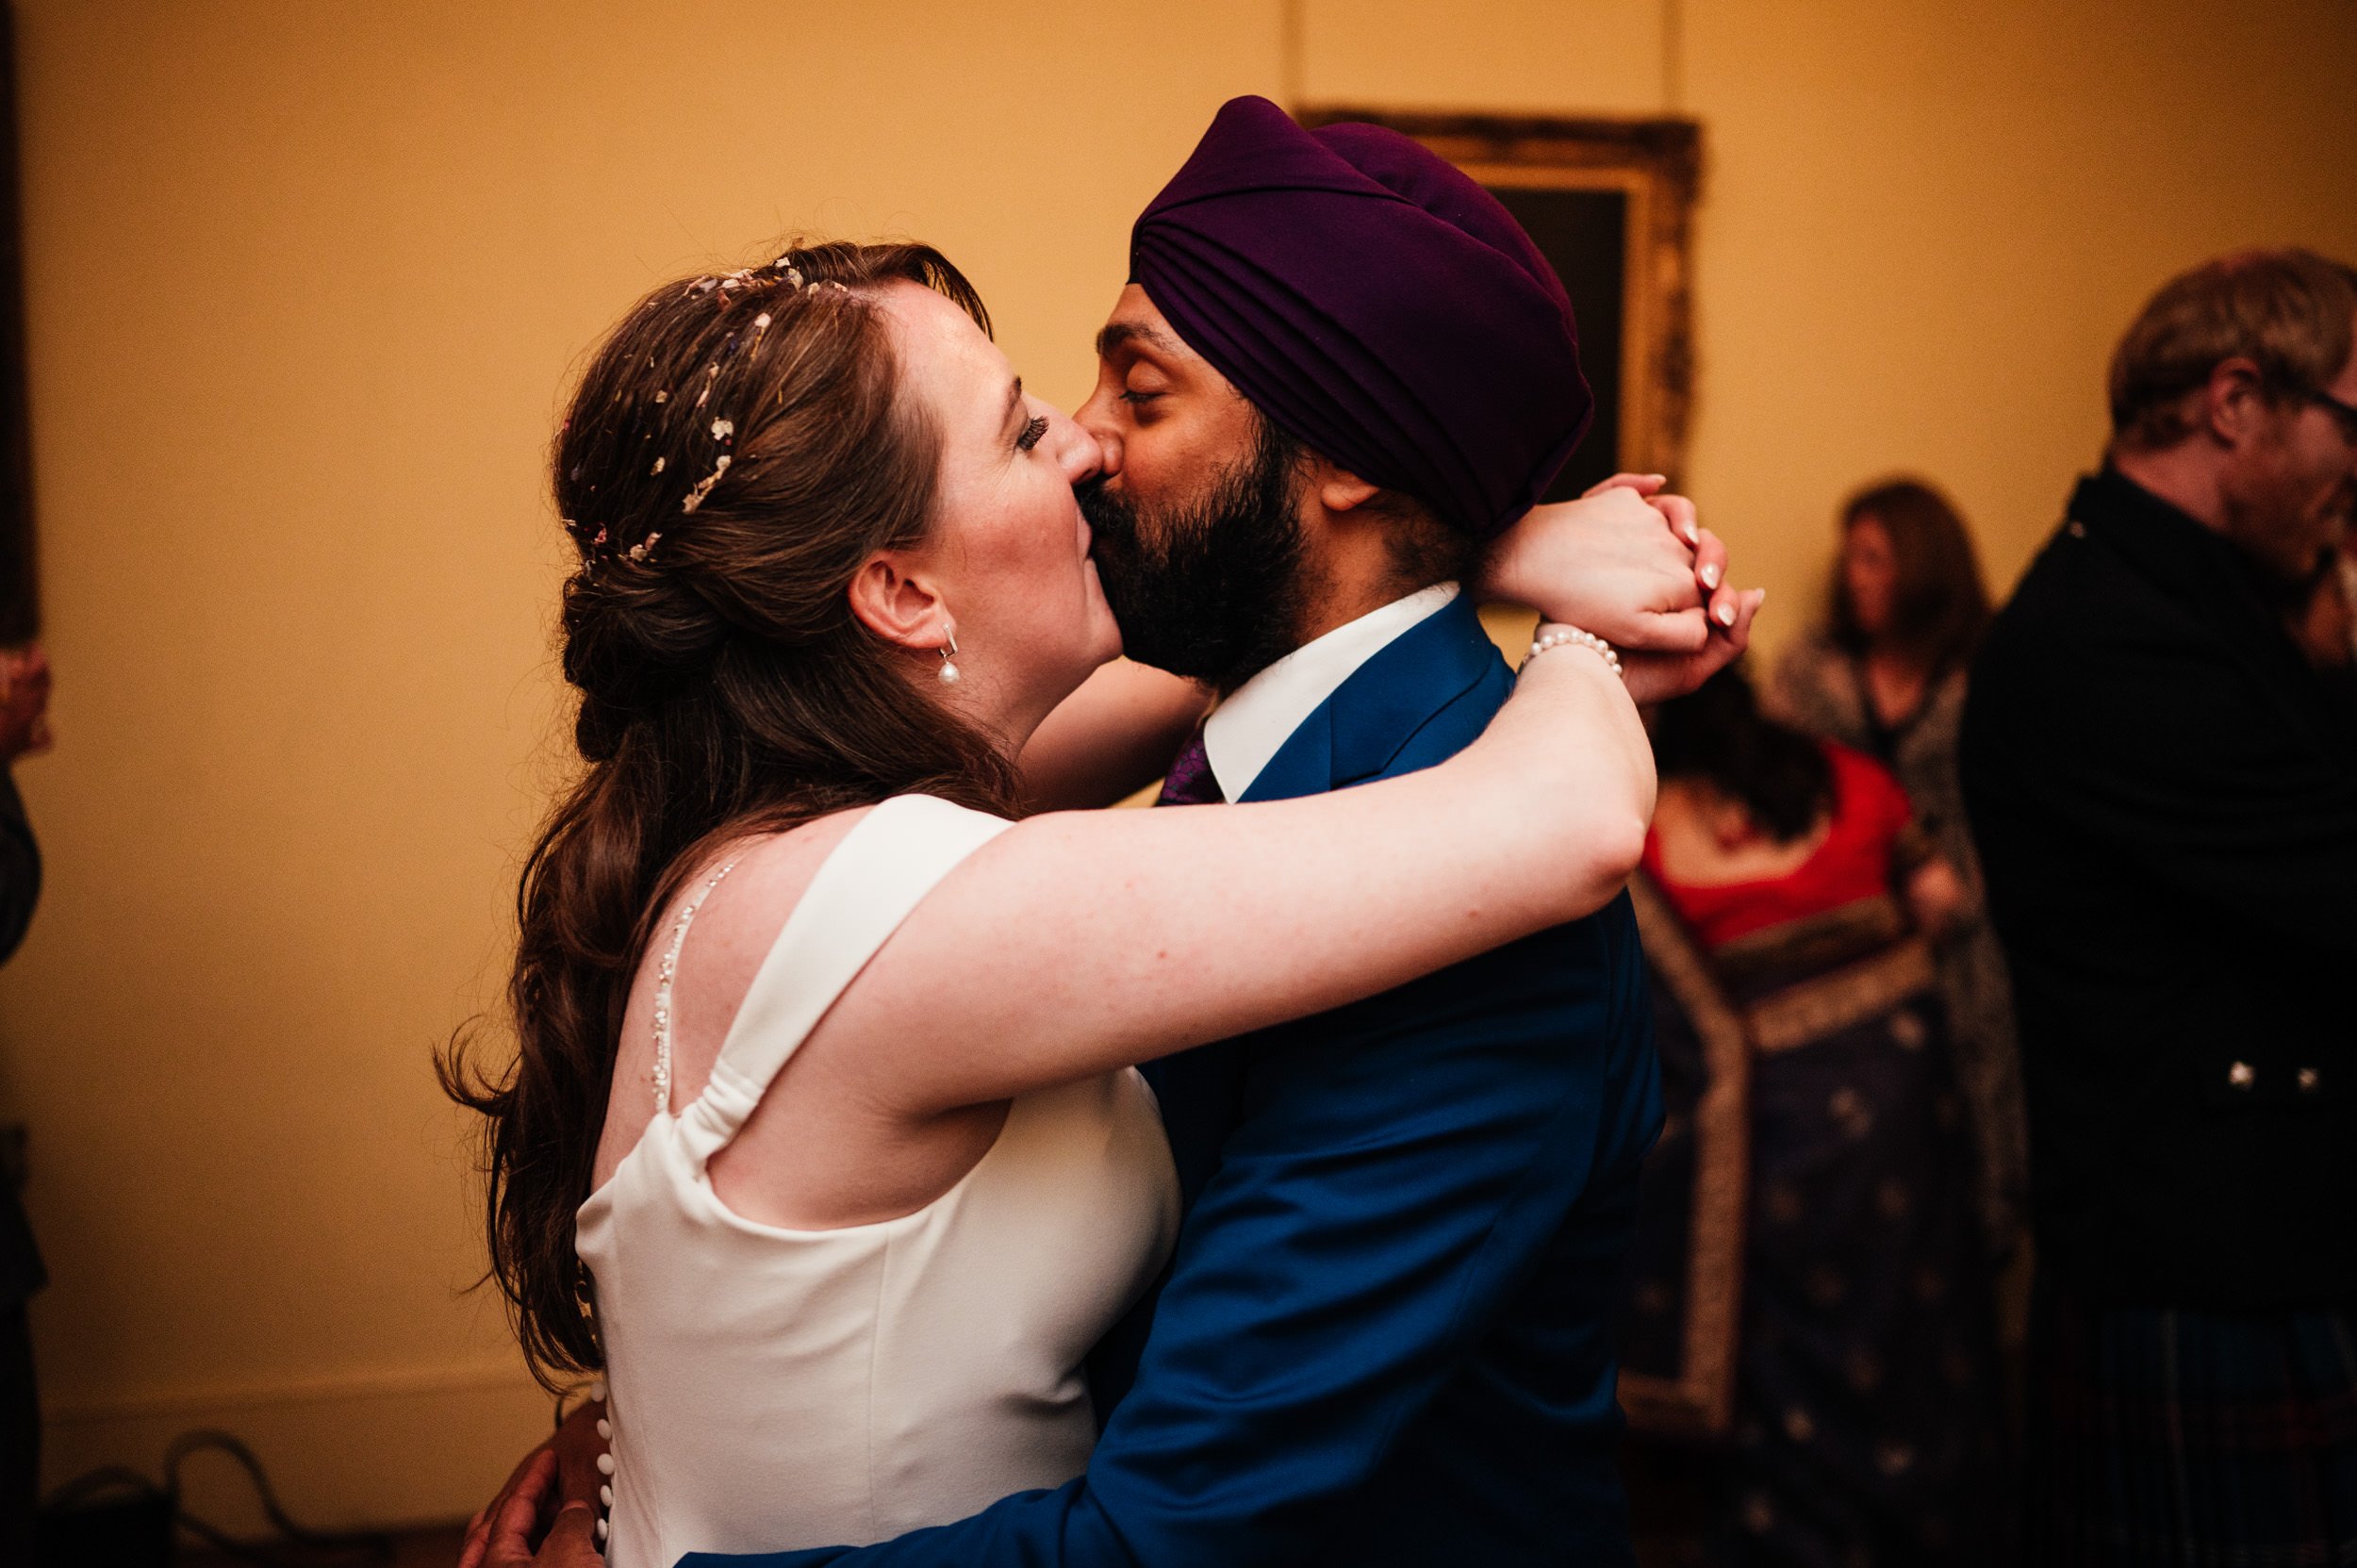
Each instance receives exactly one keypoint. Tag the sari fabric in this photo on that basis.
(1811, 1371)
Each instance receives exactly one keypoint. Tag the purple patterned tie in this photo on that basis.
(1191, 782)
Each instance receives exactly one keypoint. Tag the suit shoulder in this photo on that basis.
(1456, 724)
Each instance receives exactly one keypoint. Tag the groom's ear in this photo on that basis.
(1337, 488)
(898, 604)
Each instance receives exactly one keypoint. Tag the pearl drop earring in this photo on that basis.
(948, 671)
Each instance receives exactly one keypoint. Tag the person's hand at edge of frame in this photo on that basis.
(24, 683)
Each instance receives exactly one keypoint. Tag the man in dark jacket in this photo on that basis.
(2165, 798)
(23, 729)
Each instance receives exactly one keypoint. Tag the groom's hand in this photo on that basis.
(562, 1471)
(568, 1544)
(1623, 561)
(507, 1526)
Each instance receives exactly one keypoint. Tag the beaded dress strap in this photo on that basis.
(664, 974)
(871, 881)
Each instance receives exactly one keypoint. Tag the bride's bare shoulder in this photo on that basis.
(734, 926)
(767, 868)
(740, 917)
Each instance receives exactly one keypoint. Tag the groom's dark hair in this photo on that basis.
(739, 447)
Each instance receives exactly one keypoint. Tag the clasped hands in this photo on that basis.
(1634, 566)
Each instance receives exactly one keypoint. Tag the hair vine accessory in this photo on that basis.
(695, 498)
(948, 671)
(599, 546)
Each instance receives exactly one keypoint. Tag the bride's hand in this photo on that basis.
(1658, 677)
(1623, 561)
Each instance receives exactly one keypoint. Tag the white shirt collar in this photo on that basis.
(1247, 729)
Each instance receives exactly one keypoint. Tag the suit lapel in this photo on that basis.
(1354, 735)
(1357, 732)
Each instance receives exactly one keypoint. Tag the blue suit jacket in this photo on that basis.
(1385, 1336)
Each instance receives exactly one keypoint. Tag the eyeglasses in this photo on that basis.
(2344, 413)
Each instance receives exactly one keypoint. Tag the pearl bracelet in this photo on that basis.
(1572, 637)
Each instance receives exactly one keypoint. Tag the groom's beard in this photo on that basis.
(1209, 589)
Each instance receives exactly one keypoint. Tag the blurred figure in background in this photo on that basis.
(24, 731)
(1885, 676)
(2165, 793)
(1787, 896)
(2326, 626)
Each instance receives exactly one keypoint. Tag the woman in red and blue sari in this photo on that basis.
(1809, 1364)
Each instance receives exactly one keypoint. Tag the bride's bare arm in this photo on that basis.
(1078, 942)
(1110, 738)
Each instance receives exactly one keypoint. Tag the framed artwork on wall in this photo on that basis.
(1611, 203)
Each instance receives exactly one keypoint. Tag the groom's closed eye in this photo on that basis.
(1142, 382)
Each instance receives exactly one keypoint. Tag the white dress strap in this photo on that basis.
(666, 973)
(864, 889)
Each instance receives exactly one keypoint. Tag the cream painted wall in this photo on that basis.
(306, 284)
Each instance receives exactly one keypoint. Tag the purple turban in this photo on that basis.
(1376, 304)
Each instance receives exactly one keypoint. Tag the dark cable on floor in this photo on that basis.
(117, 1504)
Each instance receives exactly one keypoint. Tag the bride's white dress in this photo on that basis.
(773, 1389)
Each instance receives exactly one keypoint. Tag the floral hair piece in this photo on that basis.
(600, 546)
(695, 498)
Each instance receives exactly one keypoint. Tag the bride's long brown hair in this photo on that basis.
(739, 447)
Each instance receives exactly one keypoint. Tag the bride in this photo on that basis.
(823, 1143)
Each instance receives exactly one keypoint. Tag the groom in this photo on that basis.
(1386, 1334)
